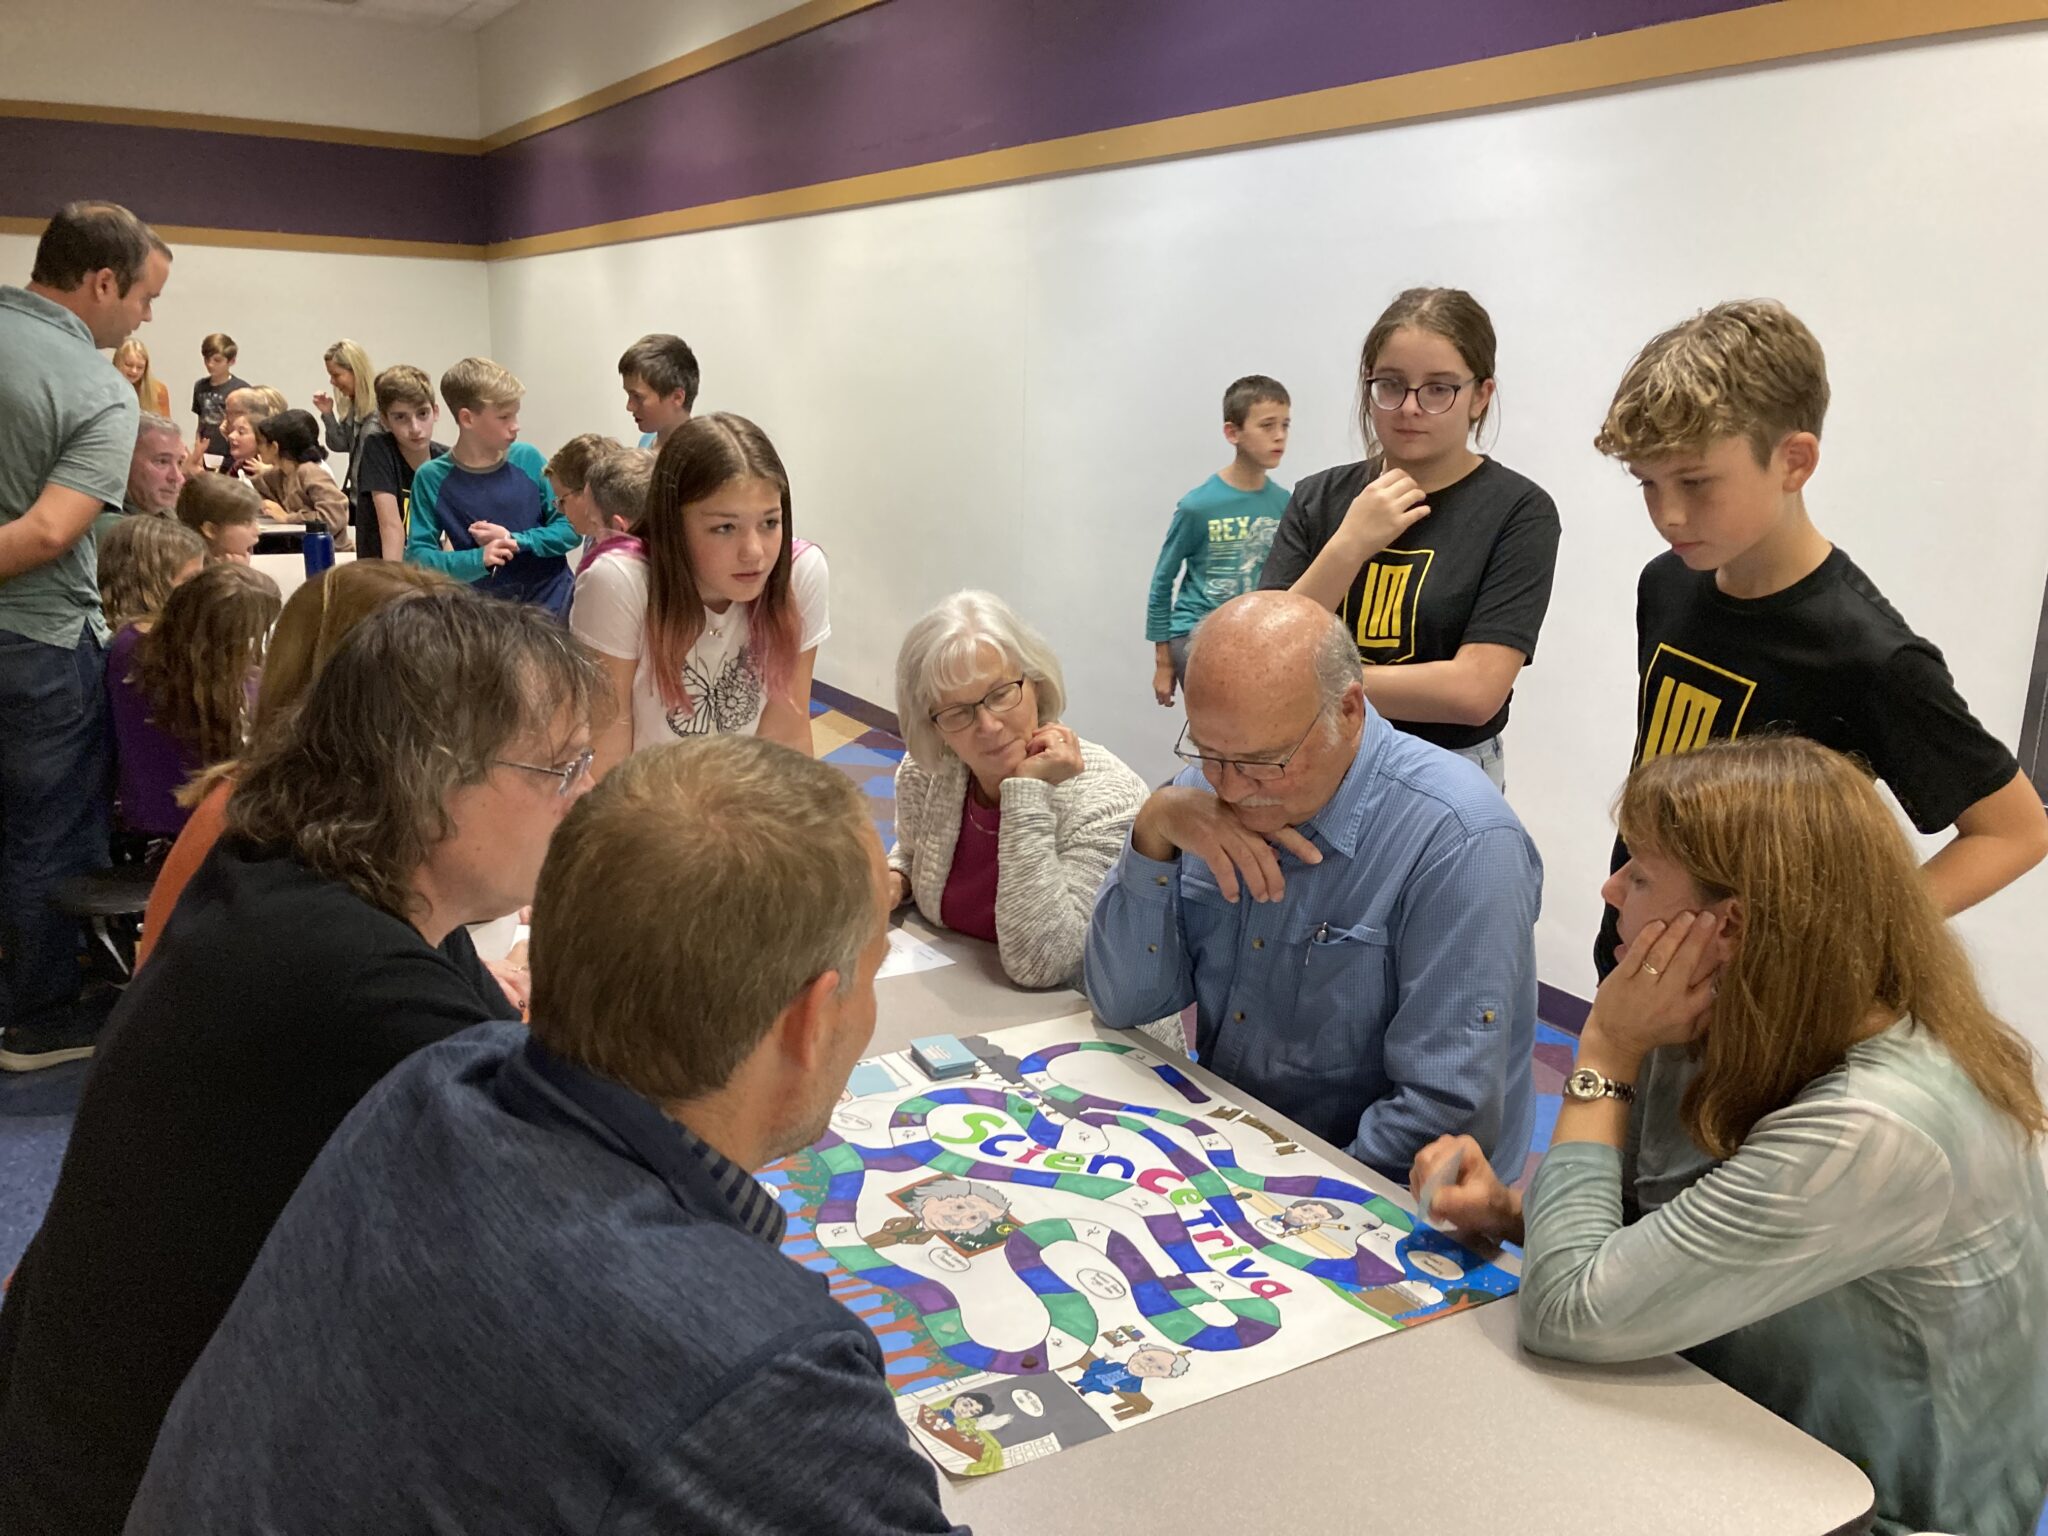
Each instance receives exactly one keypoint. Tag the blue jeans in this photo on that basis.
(56, 763)
(1492, 756)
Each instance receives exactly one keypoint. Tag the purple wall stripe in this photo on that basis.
(239, 181)
(915, 81)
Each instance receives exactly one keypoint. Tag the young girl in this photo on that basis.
(245, 407)
(1869, 1259)
(294, 481)
(132, 358)
(349, 415)
(181, 690)
(142, 559)
(223, 512)
(1438, 557)
(708, 618)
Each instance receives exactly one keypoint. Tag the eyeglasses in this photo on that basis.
(1257, 769)
(566, 777)
(999, 700)
(1391, 394)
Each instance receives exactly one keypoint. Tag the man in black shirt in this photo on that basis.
(322, 942)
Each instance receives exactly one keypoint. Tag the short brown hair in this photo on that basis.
(219, 344)
(195, 664)
(89, 237)
(220, 500)
(421, 700)
(1747, 369)
(1254, 389)
(140, 558)
(665, 364)
(571, 463)
(403, 384)
(476, 382)
(1836, 918)
(618, 483)
(663, 1004)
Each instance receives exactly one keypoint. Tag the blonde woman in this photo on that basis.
(1869, 1257)
(1006, 820)
(132, 359)
(349, 414)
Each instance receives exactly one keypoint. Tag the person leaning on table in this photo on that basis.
(1006, 819)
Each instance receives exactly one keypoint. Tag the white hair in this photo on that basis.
(151, 423)
(946, 649)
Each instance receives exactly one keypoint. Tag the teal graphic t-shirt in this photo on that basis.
(1220, 535)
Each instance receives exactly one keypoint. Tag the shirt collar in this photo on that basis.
(46, 310)
(701, 1175)
(1343, 815)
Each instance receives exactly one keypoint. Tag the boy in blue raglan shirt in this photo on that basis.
(484, 513)
(1221, 530)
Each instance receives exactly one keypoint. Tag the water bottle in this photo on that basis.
(318, 548)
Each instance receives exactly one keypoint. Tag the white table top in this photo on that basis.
(289, 570)
(1446, 1428)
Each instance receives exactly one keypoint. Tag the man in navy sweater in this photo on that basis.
(531, 1283)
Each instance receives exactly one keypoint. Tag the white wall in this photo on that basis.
(544, 53)
(239, 61)
(285, 309)
(1009, 388)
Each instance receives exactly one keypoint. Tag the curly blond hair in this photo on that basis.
(1748, 369)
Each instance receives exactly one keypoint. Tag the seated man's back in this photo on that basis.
(512, 1296)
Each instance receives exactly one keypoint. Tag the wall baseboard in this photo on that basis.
(1561, 1009)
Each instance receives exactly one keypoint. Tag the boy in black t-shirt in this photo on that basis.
(210, 394)
(1755, 622)
(383, 500)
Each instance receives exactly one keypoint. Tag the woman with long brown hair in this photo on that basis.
(710, 614)
(1869, 1258)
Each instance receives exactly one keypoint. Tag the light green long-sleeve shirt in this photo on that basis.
(1871, 1264)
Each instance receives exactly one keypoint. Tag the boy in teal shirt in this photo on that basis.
(1221, 530)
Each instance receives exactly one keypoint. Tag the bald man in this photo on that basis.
(1351, 909)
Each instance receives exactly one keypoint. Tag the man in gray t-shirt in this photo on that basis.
(67, 434)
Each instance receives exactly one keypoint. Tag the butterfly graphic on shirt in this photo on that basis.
(719, 705)
(1688, 702)
(1383, 602)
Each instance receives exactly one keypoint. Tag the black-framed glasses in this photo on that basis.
(999, 700)
(1390, 394)
(1259, 770)
(566, 775)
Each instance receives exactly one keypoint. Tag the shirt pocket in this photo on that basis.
(1346, 992)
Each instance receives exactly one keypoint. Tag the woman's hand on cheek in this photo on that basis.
(1660, 992)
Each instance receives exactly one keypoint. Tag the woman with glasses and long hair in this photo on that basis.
(1006, 820)
(1436, 556)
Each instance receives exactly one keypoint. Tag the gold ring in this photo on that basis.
(1651, 969)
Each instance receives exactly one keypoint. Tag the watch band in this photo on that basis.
(1583, 1085)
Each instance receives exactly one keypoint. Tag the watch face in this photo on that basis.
(1584, 1083)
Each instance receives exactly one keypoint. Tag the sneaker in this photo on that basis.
(32, 1047)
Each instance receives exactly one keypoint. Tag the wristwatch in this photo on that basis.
(1584, 1086)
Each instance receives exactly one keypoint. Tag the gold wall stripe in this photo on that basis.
(176, 235)
(255, 127)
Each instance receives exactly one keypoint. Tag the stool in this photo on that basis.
(111, 902)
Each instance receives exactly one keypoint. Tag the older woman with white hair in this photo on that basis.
(1006, 820)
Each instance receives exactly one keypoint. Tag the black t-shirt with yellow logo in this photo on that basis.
(1829, 659)
(1476, 571)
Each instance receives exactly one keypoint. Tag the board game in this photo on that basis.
(1077, 1239)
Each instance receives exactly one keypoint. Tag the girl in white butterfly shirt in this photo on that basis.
(709, 615)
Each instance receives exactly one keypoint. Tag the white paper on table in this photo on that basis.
(908, 953)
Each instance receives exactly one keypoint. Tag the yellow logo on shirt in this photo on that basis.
(1383, 602)
(1687, 703)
